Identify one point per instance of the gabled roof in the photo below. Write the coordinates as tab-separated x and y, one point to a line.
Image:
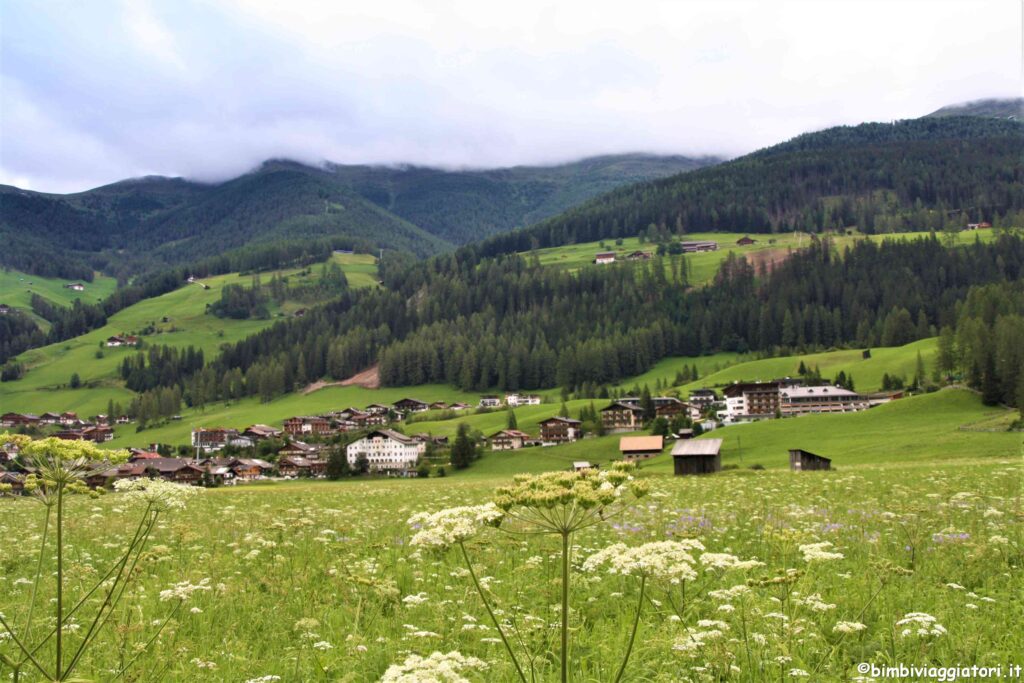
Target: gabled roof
559	418
632	444
620	405
696	447
513	433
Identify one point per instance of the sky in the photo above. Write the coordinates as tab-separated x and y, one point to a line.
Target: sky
94	92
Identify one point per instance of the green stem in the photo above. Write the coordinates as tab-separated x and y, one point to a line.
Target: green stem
632	635
27	631
149	642
494	619
60	582
565	606
24	649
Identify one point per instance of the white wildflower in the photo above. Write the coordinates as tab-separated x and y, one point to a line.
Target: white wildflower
819	552
184	590
848	627
447	527
920	624
158	493
662	560
436	668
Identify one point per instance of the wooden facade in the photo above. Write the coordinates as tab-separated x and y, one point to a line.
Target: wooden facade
802	461
697	456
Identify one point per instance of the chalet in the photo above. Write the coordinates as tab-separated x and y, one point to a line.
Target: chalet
460	406
410	405
15	481
118	340
697	456
622	416
213	439
560	429
377	409
49	418
823	399
745	241
299	466
801	461
640	447
979	226
490	401
703	399
386	451
639	256
138	454
438	405
582	466
669	406
261	432
698	246
250	468
365	420
508	440
306	426
98	434
605	257
123	420
522	400
68	418
75	286
751	401
300	449
18	420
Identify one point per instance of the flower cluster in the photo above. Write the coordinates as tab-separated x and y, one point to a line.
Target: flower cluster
445	528
920	624
819	552
437	668
184	590
158	493
662	560
585	489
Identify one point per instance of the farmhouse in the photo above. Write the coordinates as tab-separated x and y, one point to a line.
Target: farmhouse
560	429
698	246
410	405
824	399
214	439
18	420
745	241
639	256
365	420
118	340
375	409
438	405
307	425
489	401
640	447
621	416
386	451
697	456
751	400
460	406
300	466
522	399
75	286
508	440
299	448
16	481
801	460
261	432
605	257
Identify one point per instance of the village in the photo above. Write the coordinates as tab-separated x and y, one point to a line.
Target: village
371	440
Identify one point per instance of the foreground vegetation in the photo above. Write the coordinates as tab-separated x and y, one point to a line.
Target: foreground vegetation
318	581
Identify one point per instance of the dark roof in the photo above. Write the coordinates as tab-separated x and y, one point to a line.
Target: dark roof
559	418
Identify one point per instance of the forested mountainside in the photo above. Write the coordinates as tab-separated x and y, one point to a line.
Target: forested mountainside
143	225
511	324
1004	108
908	175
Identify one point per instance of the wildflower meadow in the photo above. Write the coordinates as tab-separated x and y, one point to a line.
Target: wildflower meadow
619	575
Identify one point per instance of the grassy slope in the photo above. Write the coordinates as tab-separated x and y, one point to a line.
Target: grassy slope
867	373
919	428
702	267
50	367
16	291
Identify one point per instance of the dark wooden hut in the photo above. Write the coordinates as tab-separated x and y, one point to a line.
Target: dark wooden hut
697	456
801	460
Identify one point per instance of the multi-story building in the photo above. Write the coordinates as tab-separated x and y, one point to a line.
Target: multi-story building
386	451
508	440
823	399
622	416
750	401
560	429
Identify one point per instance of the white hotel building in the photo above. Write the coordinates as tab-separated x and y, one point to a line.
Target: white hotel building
823	399
386	451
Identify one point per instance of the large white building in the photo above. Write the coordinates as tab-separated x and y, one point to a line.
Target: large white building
824	399
386	451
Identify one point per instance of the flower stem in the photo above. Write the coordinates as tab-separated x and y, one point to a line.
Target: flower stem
565	606
494	619
636	623
60	581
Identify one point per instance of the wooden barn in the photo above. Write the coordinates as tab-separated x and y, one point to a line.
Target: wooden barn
697	456
640	447
801	460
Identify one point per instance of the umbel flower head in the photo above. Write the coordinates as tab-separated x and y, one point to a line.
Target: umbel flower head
59	463
437	668
560	502
668	561
156	493
445	528
819	552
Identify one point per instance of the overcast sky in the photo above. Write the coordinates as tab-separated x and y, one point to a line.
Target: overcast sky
92	92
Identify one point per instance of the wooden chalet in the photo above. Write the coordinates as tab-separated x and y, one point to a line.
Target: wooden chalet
622	416
15	480
261	432
697	456
639	256
699	246
560	429
801	461
438	405
745	241
299	466
18	420
410	405
307	425
508	440
376	409
635	448
605	257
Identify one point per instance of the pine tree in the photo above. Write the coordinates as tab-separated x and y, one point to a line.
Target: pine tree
463	450
512	422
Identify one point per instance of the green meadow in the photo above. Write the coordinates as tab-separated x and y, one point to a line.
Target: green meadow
17	288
